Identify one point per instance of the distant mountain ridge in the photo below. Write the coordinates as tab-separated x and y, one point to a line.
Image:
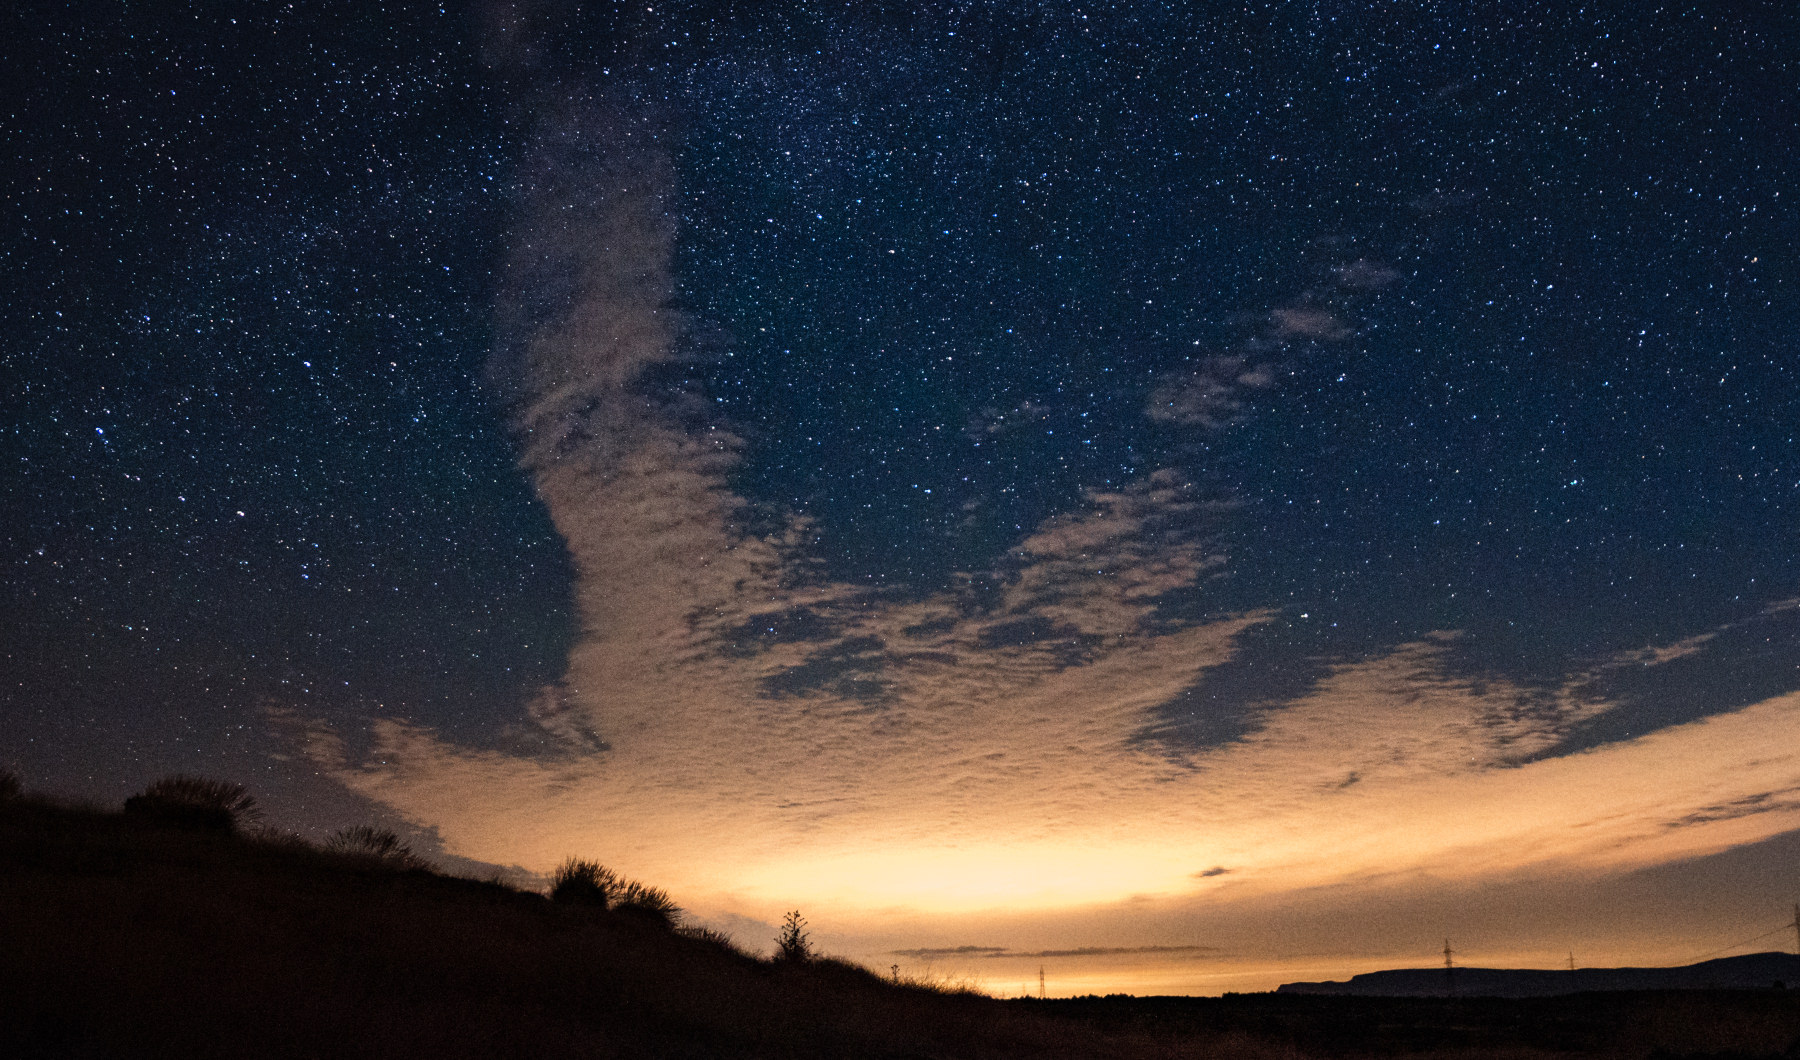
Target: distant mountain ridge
1754	971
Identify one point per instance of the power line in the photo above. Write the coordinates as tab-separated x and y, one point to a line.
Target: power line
1782	930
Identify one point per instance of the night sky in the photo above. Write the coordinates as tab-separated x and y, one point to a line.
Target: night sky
1198	494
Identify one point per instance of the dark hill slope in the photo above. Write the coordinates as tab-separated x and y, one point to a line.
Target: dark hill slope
130	938
123	938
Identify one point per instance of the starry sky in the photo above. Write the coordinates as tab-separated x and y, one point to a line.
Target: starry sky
1193	495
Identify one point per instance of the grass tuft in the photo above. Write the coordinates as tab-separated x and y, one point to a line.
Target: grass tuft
375	845
651	903
196	802
580	882
710	936
588	883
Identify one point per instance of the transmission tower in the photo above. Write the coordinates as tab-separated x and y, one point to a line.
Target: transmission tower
1040	982
1449	968
1797	927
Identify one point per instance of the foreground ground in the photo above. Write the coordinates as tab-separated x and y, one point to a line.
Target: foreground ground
121	937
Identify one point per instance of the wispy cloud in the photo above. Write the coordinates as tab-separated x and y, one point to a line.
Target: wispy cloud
718	680
748	731
1218	389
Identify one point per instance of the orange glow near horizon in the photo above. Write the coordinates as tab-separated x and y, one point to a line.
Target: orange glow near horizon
1252	811
1131	865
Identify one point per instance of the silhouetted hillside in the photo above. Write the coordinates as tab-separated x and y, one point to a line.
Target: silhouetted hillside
145	935
1755	971
157	934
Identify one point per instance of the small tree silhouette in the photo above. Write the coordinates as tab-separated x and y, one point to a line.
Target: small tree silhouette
196	802
9	785
792	944
578	882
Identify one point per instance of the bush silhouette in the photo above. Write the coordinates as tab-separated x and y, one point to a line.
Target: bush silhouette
711	936
579	882
196	802
368	843
651	903
793	943
9	785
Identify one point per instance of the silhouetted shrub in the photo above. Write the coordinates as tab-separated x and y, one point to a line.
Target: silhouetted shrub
280	839
196	802
640	899
10	787
579	882
711	936
793	943
379	845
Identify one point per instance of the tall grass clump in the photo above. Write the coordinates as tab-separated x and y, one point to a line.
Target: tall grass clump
708	935
651	903
579	882
376	845
196	802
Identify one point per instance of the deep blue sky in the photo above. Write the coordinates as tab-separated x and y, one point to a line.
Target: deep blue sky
246	447
248	270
